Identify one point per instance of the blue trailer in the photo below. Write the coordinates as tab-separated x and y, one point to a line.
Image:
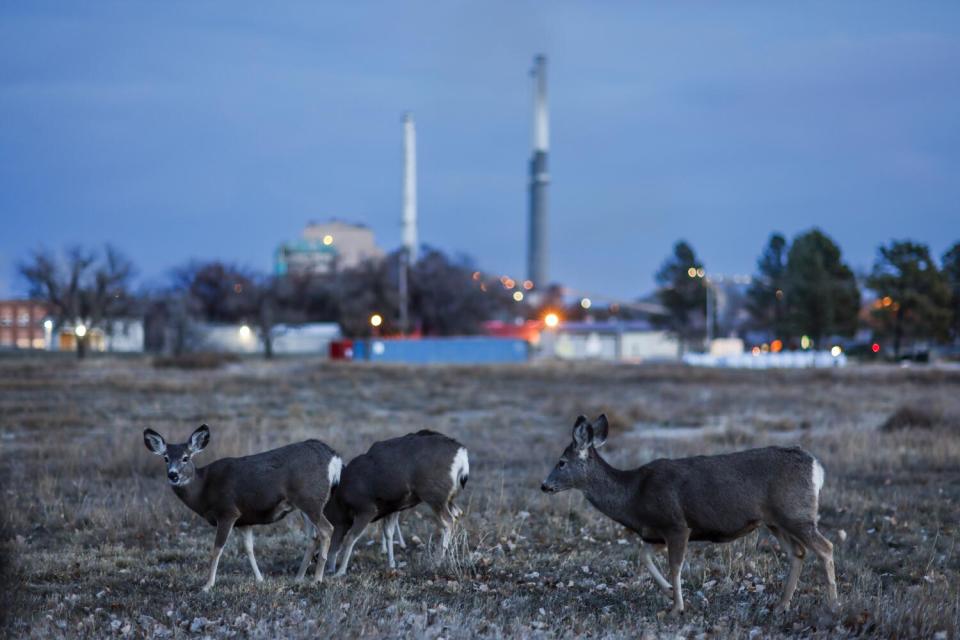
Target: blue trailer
457	350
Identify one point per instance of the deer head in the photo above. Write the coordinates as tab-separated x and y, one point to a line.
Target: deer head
578	458
179	457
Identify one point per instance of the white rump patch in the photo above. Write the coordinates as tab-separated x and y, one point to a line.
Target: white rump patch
459	469
817	477
333	471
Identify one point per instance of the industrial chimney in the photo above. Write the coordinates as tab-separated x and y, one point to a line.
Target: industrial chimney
539	179
409	218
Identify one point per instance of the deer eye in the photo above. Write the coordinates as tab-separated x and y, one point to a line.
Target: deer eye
562	464
186	458
166	458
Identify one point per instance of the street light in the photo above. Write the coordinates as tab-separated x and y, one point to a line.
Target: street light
551	320
518	296
586	303
80	330
376	320
328	239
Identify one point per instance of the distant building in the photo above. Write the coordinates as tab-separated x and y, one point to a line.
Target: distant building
21	324
120	335
325	248
632	341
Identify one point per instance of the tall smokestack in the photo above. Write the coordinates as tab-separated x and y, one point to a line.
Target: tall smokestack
539	179
409	219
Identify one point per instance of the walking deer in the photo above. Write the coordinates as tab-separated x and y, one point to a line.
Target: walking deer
707	498
253	490
394	475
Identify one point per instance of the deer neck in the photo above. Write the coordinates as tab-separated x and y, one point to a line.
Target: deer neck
610	490
191	494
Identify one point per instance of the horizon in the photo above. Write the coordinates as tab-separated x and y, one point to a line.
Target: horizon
198	134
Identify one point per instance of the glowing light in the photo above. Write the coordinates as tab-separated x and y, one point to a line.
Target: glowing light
551	320
80	330
755	351
476	275
692	272
875	347
776	346
328	239
805	342
528	284
765	347
509	283
835	351
586	303
700	272
518	295
887	301
779	294
376	320
244	332
48	324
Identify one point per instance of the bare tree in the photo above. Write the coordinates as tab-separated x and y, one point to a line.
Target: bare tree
84	289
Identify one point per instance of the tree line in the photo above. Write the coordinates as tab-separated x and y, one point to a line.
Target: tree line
803	291
94	288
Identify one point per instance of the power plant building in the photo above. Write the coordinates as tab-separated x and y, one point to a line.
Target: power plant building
325	248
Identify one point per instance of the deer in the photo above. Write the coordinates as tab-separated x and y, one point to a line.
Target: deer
392	476
716	498
253	490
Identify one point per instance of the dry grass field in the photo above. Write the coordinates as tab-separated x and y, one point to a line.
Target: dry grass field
95	544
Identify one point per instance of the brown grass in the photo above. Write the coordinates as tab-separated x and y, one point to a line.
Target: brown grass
93	542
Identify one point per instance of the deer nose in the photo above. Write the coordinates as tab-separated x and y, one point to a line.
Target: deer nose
545	488
173	475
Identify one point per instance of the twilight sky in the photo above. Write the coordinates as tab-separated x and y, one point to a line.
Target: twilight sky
179	130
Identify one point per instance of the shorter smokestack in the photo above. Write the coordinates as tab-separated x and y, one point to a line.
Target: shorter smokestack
409	219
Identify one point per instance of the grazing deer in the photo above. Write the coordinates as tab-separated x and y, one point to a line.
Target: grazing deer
391	476
708	498
258	489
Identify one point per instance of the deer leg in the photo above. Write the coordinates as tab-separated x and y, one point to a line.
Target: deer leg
360	523
676	548
336	546
824	550
796	553
248	547
396	529
324	534
807	535
224	526
445	520
384	524
646	554
389	524
311	531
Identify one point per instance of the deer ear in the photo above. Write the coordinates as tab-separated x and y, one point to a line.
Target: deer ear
154	442
600	428
199	439
582	433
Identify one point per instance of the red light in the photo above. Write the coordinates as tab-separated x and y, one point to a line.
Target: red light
875	347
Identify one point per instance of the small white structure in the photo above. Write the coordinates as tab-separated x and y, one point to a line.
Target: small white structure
726	347
622	341
313	338
781	360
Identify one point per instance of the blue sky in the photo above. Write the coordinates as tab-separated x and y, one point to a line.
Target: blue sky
216	129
